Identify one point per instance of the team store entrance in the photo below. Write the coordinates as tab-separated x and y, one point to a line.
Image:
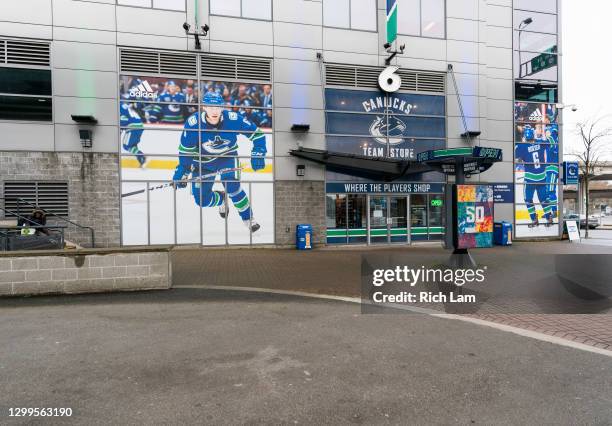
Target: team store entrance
384	218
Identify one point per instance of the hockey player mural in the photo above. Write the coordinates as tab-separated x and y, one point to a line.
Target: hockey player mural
214	152
536	169
197	161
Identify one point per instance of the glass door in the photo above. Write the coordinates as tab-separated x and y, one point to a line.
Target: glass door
398	219
378	214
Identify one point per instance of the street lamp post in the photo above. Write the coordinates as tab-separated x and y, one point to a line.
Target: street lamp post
521	28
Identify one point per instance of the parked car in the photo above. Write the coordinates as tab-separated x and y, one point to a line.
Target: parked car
594	221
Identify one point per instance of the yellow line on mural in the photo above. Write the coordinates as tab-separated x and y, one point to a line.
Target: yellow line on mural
131	163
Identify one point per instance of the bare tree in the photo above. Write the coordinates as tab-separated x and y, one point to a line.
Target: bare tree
591	153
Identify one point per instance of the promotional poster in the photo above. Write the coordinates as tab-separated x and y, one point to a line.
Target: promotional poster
474	216
197	162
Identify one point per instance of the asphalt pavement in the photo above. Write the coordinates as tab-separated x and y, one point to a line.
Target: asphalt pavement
201	356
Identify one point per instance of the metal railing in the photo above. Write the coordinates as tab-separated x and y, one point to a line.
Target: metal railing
10	235
90	229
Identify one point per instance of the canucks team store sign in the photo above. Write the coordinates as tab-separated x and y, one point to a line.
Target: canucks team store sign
375	124
197	160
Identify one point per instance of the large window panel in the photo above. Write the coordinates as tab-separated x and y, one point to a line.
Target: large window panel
409	17
178	5
534	42
540	22
25	81
432	18
548	6
257	9
536	66
134	213
336	13
139	3
363	15
225	7
25	108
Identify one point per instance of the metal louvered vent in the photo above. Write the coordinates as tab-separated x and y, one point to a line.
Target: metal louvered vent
340	76
224	67
139	61
49	196
177	63
428	82
414	81
20	52
253	69
218	66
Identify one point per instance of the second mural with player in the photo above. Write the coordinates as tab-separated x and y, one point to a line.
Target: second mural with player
536	170
197	161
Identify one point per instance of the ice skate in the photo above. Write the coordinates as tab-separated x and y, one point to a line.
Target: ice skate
252	225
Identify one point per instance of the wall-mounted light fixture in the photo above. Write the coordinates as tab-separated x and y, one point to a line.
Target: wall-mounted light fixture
300	170
203	31
300	128
85	122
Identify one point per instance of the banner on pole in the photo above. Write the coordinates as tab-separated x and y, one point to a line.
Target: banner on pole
391	21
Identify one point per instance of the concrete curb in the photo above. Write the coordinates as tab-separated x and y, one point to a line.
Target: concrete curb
356	300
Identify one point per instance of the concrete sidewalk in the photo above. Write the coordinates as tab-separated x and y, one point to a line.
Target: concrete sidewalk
337	271
197	356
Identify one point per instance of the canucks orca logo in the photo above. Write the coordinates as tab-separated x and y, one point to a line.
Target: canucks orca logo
217	145
395	129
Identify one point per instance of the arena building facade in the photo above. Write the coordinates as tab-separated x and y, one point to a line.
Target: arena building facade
111	117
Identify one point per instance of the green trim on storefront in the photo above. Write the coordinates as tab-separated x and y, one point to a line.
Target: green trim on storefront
343	233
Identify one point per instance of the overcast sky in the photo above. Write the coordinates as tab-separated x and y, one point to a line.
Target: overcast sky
587	61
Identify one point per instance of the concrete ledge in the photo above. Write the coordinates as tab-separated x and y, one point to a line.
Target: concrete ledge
85	271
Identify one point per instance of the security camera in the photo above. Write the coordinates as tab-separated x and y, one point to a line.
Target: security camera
205	29
574	108
186	27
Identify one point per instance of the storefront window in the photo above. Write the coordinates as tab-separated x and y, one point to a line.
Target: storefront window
357	219
418	217
335	218
436	217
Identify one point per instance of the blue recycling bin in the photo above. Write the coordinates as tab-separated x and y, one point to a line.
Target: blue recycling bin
502	233
303	237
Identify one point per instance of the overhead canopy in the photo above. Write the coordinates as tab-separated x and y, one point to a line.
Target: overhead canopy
474	159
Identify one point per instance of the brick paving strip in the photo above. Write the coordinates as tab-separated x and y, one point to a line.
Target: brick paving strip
337	272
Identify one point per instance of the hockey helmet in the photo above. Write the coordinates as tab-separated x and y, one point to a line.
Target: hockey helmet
213	98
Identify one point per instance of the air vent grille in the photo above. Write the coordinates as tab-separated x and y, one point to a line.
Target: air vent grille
218	67
181	64
20	52
414	81
146	61
49	196
139	61
222	67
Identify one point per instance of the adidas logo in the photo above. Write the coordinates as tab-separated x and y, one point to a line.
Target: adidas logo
536	116
143	91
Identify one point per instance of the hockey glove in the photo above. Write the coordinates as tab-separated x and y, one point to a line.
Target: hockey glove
258	160
179	174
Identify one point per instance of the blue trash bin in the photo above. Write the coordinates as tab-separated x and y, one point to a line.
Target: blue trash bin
303	237
502	233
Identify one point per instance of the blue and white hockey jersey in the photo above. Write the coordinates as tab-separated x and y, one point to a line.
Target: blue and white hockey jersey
219	140
169	110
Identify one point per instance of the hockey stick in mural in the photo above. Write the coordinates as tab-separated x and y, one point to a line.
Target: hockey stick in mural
169	184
